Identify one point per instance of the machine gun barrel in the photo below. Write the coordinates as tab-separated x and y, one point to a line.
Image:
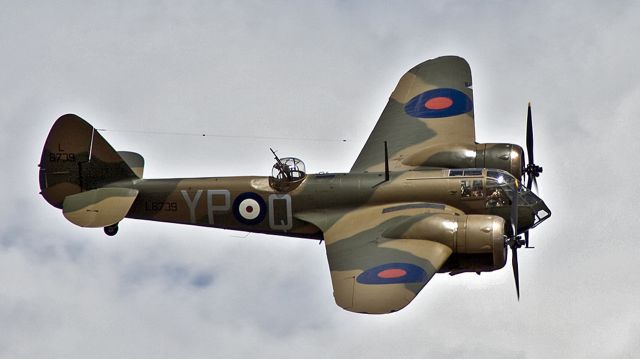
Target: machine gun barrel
281	166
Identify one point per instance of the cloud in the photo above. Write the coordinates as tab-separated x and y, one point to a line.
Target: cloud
323	69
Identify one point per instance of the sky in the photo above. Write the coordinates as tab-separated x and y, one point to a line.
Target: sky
319	71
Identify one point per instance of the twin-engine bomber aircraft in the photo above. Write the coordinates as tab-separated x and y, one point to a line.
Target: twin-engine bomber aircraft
422	197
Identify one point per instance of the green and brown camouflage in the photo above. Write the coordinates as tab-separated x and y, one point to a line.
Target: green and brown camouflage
445	207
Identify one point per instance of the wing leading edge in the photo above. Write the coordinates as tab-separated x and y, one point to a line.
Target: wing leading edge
431	105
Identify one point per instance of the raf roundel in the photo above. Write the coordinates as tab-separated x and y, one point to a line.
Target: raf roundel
249	208
392	273
438	103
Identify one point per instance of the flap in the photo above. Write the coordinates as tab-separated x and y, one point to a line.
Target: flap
99	207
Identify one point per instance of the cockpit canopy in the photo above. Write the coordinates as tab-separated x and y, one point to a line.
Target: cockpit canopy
502	177
500	188
497	188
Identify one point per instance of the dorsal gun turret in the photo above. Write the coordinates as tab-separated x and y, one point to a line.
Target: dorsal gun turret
287	173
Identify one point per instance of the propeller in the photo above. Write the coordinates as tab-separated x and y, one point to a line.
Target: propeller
514	264
532	170
514	241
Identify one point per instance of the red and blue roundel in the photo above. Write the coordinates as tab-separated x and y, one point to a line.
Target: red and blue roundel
442	102
391	273
249	208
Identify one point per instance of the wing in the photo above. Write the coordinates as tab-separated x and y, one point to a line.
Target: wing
431	105
377	258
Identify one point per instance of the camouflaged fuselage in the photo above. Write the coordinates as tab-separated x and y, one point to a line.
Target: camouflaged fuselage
215	201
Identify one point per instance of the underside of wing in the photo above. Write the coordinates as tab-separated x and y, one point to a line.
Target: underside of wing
378	260
390	279
431	105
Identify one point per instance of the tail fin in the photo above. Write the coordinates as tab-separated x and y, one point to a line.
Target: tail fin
76	158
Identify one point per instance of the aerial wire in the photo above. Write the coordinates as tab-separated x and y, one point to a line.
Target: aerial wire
202	134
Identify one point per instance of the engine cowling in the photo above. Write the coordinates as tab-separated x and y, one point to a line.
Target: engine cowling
480	236
477	241
504	156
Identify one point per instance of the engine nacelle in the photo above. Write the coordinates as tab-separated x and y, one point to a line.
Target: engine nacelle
477	240
505	156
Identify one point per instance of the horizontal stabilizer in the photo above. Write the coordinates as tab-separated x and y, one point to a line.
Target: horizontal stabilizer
99	207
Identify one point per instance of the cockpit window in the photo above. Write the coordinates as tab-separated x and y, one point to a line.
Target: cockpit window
473	172
471	188
465	172
493	174
496	196
527	196
500	189
502	177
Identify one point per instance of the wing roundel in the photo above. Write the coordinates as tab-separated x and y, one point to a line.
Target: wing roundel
431	105
378	260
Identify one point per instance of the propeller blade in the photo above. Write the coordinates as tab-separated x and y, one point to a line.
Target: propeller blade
514	211
515	241
532	170
516	273
535	185
529	135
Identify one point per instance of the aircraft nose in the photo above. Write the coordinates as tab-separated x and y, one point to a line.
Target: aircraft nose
535	208
540	212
